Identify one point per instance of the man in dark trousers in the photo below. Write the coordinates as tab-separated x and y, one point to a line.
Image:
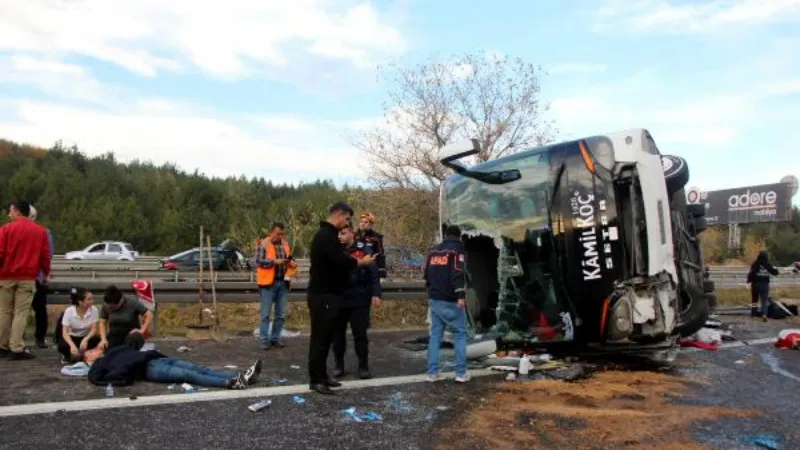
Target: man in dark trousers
329	276
39	304
363	290
444	278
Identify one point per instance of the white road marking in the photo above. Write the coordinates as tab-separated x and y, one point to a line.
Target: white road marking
171	399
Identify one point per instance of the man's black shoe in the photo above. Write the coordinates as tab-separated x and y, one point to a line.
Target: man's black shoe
4	353
332	383
339	372
364	373
22	356
322	389
41	343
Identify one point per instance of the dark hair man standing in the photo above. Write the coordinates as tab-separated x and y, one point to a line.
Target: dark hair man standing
364	288
24	252
329	276
275	269
444	278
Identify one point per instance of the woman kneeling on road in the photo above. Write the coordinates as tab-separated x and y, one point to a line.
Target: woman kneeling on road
125	364
121	317
78	326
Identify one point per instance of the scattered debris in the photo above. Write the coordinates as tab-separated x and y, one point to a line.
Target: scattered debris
80	369
172	386
789	339
231	366
298	400
704	338
739	361
133	397
294	367
187	388
184	349
284	333
281	381
398	403
259	405
511	376
147	347
351	414
764	441
442	408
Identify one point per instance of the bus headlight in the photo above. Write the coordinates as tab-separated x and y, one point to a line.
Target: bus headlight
620	320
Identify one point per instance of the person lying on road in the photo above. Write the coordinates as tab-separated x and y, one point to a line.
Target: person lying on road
78	326
120	317
123	365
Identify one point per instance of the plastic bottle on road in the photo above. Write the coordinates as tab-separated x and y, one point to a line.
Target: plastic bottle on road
109	390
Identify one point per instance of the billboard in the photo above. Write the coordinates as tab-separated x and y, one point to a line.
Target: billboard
751	204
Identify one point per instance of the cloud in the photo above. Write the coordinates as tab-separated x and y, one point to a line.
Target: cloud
232	40
52	77
713	122
278	147
699	17
577	68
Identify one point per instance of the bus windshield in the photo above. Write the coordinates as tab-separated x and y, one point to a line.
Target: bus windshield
507	209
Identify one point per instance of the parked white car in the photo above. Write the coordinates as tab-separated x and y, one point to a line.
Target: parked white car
106	250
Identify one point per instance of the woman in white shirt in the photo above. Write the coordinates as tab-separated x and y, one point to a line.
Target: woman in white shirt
79	326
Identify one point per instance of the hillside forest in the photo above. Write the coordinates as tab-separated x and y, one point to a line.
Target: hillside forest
159	209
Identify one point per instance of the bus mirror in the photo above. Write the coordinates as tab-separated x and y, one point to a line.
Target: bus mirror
457	150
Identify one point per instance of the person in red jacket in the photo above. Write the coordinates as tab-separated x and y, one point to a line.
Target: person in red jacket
24	252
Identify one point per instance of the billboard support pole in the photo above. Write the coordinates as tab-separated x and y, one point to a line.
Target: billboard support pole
734	236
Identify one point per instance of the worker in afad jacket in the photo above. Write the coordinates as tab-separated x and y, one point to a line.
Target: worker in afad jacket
274	272
363	290
445	280
372	240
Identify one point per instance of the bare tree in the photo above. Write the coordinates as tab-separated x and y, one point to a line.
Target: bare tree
495	99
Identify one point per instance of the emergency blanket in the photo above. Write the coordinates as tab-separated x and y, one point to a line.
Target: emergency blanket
789	339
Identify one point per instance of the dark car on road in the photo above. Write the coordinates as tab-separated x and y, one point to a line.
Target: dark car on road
224	256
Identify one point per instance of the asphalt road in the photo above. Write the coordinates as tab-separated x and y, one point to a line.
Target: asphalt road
754	377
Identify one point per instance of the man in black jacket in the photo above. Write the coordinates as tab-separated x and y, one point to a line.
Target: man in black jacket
444	278
329	275
363	290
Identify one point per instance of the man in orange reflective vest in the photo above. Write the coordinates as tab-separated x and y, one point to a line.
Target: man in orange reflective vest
275	268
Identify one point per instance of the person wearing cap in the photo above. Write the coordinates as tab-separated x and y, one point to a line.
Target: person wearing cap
24	254
39	304
372	240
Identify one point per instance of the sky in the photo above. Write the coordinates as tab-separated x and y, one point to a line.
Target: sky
272	88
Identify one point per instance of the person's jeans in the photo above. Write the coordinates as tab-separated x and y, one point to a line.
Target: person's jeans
277	294
760	291
447	314
171	370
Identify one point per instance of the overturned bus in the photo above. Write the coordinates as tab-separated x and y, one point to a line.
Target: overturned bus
587	242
